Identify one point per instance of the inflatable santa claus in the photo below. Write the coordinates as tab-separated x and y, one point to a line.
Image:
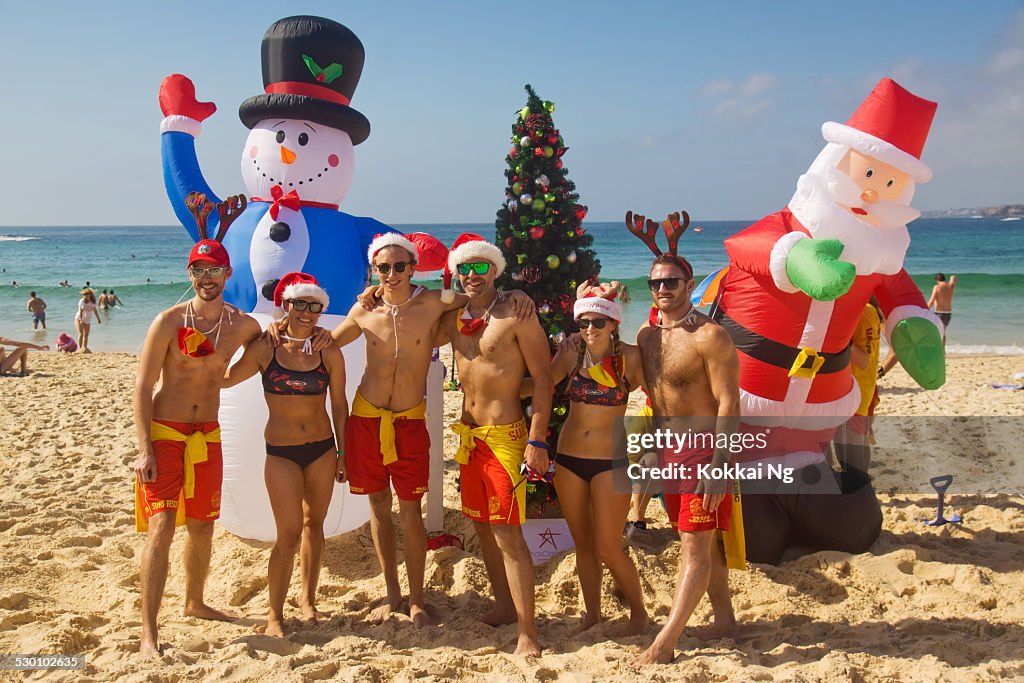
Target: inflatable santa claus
799	279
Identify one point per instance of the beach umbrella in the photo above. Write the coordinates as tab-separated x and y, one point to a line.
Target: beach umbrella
704	294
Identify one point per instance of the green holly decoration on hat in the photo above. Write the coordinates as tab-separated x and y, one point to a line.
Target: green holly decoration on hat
322	75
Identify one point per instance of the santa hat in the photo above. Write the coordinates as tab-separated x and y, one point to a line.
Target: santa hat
296	286
598	299
466	249
391	239
891	125
211	251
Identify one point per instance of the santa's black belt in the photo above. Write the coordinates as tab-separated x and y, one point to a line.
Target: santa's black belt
801	362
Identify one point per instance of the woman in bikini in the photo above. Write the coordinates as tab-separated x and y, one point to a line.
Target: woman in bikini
304	456
602	372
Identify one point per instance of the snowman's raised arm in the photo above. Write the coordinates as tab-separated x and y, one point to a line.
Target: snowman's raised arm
183	115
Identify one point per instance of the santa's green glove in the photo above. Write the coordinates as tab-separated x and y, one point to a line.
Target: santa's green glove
813	266
918	346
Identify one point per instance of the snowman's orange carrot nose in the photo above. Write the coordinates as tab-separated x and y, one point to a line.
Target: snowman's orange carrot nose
287	156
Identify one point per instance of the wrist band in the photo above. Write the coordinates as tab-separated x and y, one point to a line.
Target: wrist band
538	444
341	451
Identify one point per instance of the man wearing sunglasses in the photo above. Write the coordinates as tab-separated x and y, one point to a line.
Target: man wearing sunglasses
692	372
178	477
387	444
494	350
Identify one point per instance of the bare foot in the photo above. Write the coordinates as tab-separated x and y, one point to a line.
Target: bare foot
382	612
148	649
311	615
204	611
654	655
275	628
528	646
420	618
637	625
499	616
586	623
718	630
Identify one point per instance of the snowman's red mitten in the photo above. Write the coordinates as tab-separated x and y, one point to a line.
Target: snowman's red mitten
182	111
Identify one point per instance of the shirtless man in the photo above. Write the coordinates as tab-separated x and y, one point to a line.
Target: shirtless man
493	351
37	307
188	348
399	329
942	300
692	371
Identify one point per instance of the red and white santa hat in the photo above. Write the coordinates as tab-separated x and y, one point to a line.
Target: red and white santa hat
391	239
891	125
467	249
297	286
598	299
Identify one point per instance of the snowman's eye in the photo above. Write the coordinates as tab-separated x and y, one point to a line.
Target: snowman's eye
870	172
280	136
303	139
891	182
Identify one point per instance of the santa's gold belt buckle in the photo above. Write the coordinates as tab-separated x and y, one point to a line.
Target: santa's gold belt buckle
800	367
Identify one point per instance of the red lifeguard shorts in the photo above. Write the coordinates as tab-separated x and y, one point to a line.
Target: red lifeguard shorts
166	493
493	489
364	461
685	508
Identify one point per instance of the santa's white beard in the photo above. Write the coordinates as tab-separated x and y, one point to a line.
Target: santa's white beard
872	249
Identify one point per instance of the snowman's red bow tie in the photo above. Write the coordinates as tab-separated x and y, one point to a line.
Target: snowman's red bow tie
289	201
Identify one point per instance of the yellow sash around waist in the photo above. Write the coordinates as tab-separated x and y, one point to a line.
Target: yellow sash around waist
195	452
363	408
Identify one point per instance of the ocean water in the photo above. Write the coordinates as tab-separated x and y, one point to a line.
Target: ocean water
146	268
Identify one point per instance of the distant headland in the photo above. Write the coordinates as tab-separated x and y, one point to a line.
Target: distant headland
1004	211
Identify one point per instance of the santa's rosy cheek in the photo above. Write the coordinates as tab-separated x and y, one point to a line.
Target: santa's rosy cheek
333	160
253	151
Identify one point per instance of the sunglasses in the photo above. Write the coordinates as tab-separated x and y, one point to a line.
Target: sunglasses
213	271
670	283
533	475
598	323
385	268
478	268
311	306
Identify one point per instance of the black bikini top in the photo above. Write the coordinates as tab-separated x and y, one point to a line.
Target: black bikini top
282	381
585	388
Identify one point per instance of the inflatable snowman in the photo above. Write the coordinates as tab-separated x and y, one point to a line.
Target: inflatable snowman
297	165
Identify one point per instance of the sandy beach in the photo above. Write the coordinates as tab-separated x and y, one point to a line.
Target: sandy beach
923	604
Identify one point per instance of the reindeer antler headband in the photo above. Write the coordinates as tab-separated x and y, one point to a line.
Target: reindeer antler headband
646	231
228	210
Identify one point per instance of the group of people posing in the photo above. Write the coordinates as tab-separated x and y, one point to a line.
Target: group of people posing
685	362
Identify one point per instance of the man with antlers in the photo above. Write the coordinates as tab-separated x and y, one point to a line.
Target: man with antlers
179	467
692	376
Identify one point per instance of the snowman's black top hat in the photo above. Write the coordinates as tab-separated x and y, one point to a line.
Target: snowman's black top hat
311	67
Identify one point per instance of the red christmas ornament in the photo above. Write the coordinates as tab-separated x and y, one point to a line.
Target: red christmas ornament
558	164
536	232
581	211
513	152
562	150
508	242
579	232
552	138
538	152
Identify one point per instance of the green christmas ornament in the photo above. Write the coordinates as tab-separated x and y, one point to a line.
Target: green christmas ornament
548	152
572	285
553	261
538	204
523	221
548	197
520	259
559	410
517	187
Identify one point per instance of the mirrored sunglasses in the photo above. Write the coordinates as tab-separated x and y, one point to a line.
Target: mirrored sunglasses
311	306
478	268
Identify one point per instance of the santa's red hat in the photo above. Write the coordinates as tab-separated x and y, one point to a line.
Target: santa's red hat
598	299
891	125
211	251
391	239
466	249
297	286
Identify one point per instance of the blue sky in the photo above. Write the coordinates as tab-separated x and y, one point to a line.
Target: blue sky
711	107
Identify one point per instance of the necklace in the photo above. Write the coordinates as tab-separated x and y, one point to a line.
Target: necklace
689	319
486	315
394	313
190	313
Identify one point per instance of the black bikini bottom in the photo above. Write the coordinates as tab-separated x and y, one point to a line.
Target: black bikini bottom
588	468
304	454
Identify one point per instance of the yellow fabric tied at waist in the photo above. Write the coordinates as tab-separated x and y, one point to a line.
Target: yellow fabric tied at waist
467	439
195	449
363	408
734	541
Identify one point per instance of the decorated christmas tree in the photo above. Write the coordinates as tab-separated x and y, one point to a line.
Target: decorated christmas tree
540	232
